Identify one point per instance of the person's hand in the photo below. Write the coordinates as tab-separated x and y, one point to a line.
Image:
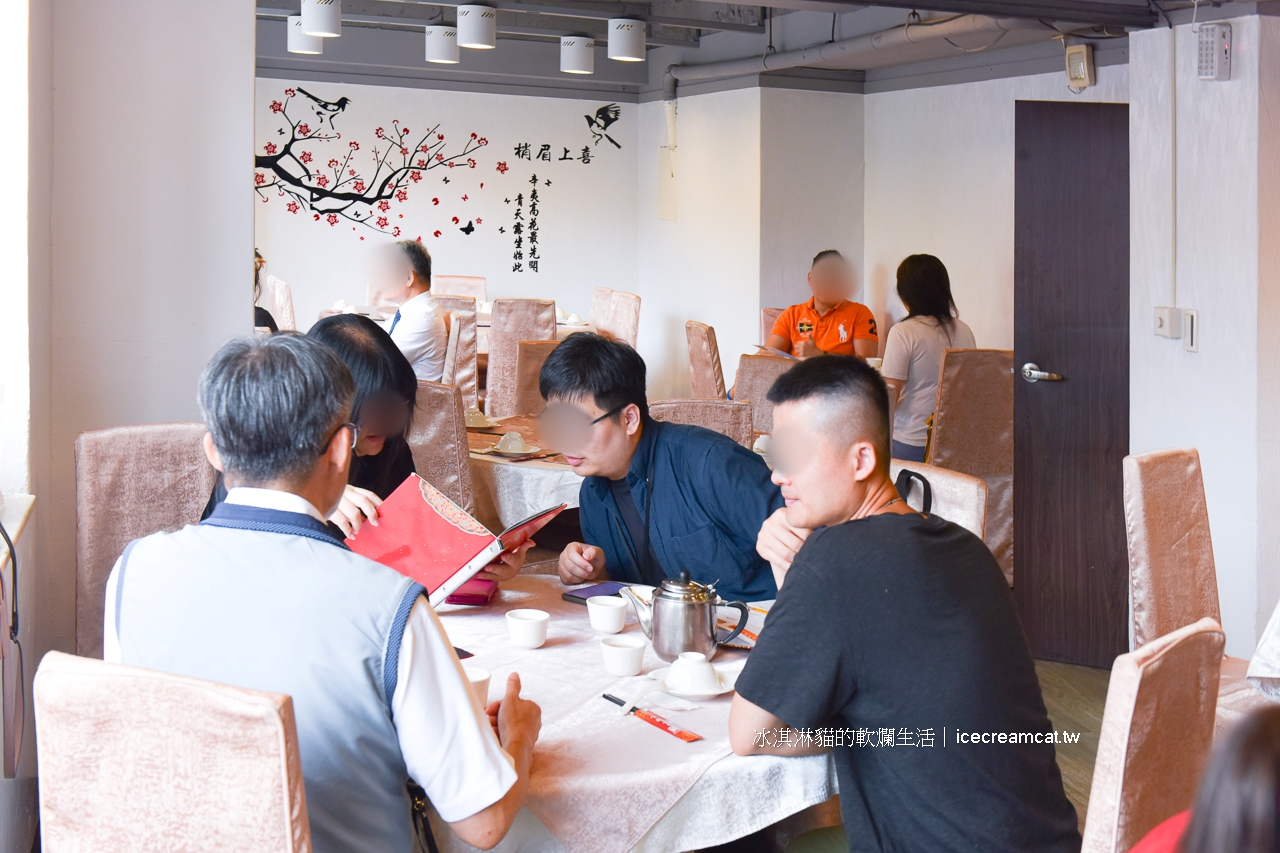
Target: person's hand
779	542
515	720
507	565
806	348
357	506
580	563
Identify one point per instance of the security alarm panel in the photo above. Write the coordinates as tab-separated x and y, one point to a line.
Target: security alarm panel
1080	73
1213	58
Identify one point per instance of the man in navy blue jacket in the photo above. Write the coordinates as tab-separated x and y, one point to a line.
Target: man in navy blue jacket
657	497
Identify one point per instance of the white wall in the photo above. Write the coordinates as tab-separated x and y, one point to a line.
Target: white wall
939	166
588	212
811	187
15	403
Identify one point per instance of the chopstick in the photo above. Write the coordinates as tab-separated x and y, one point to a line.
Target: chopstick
654	720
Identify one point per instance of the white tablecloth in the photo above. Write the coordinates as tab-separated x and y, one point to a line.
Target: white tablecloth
509	492
604	783
1264	668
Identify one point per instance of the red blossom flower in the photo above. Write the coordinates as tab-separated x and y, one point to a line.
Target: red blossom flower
435	201
333	164
404	152
317	217
332	218
276	106
359	186
471	164
422	164
479	220
395	232
290	92
384	205
353	145
440	136
435	233
483	141
305	157
402	195
473	136
270	148
424	149
450	164
415	176
304	129
322	181
382	222
292	207
502	167
404	131
455	220
351	172
378	133
439	157
259	178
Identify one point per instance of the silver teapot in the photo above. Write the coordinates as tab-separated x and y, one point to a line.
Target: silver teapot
682	617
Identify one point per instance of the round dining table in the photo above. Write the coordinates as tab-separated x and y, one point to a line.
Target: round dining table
603	782
508	491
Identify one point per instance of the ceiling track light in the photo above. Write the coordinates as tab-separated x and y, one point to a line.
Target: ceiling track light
577	55
477	27
322	18
442	44
299	41
626	39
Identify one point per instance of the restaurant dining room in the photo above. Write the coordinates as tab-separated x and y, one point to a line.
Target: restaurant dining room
431	427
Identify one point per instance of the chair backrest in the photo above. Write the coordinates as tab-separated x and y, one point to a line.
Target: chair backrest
438	441
973	434
706	376
513	321
624	317
131	481
727	417
1157	729
1171	571
132	759
601	305
282	304
474	286
959	498
451	328
768	316
756	374
465	373
530	356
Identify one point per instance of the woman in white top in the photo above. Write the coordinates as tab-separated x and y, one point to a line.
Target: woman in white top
913	353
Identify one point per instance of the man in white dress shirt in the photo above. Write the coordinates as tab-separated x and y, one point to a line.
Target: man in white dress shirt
402	273
260	595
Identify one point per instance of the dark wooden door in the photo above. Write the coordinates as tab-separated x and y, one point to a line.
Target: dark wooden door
1071	309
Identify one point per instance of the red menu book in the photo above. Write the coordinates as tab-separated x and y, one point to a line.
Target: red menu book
425	536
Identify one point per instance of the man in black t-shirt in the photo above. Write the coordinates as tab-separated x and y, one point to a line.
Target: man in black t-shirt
895	634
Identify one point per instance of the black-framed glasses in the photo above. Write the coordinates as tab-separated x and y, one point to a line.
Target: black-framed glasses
567	428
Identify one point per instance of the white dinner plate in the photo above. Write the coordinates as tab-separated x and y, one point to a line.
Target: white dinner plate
728	678
528	451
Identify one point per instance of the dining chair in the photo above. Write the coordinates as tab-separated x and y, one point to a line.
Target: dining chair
513	321
450	348
465	372
281	304
768	317
959	498
474	286
706	376
131	481
601	305
438	440
1157	730
973	433
624	317
138	760
756	375
530	356
727	417
1172	577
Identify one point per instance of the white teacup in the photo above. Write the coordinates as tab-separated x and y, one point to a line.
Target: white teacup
608	613
528	628
476	418
623	655
479	679
485	308
875	363
573	320
512	442
693	673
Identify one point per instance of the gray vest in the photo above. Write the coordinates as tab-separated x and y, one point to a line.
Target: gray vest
287	612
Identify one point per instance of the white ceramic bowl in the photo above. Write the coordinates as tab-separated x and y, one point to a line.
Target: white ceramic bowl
691	672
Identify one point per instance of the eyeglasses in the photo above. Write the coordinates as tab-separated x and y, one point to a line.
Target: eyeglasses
567	427
355	431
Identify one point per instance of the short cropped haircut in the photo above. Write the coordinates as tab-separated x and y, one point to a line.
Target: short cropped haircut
825	253
419	259
587	365
851	385
272	404
377	365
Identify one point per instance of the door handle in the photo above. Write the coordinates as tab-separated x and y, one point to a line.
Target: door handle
1032	373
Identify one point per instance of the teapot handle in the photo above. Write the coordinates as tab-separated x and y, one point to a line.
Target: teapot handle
742	621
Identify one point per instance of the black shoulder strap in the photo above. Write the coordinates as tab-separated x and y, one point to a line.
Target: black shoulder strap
903	485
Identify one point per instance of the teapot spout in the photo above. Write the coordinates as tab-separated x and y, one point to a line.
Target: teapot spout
644	611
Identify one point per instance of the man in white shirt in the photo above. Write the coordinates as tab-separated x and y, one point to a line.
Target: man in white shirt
260	595
402	273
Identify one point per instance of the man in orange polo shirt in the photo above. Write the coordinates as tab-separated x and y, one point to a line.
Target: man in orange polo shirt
828	324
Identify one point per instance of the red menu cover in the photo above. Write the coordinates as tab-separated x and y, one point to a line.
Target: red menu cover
425	536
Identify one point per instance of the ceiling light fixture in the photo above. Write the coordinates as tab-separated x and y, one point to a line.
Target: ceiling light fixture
626	39
299	41
442	44
577	55
322	18
477	27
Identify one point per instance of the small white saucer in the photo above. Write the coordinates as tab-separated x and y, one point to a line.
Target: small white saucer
727	681
528	451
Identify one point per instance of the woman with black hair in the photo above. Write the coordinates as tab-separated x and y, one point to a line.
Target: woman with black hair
913	352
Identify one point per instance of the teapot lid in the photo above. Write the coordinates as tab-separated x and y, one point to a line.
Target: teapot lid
683	588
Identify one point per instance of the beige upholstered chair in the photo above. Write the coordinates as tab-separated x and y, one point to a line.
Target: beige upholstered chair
131	481
465	372
756	374
281	304
601	305
624	317
438	440
132	759
451	328
705	374
530	356
514	320
973	434
726	417
474	286
1172	578
1156	733
768	316
959	498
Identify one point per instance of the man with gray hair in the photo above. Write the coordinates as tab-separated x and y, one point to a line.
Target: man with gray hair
260	595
